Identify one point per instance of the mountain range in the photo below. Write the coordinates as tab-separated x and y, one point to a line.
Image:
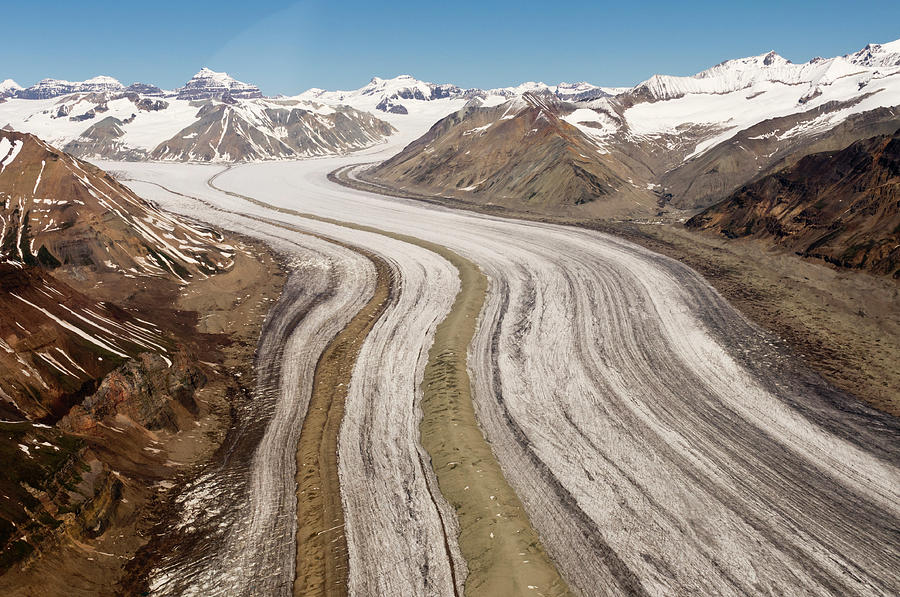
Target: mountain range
668	143
212	118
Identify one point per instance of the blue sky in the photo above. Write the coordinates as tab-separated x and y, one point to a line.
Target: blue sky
287	47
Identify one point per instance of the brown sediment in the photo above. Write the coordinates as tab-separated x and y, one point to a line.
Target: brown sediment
322	564
501	548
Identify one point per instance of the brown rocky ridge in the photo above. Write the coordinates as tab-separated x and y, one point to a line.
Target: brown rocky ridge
842	207
101	367
522	154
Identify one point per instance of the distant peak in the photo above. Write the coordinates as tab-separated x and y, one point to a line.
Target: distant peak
770	58
9	84
397	78
877	55
207	84
103	80
208	73
889	47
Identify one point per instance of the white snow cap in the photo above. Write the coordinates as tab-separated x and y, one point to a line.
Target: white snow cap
208	73
103	80
9	85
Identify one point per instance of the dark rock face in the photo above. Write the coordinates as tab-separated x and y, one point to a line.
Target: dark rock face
146	389
38	483
144	104
842	207
150	105
227	98
386	105
144	89
82	117
584	96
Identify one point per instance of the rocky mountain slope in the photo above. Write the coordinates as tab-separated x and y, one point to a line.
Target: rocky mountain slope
274	129
66	228
89	341
761	149
531	153
842	207
62	211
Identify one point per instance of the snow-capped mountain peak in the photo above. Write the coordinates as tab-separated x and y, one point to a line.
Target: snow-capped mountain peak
9	87
102	80
887	54
208	84
408	87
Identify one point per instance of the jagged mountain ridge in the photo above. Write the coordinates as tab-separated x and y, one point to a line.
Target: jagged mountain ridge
206	84
743	73
400	94
50	88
